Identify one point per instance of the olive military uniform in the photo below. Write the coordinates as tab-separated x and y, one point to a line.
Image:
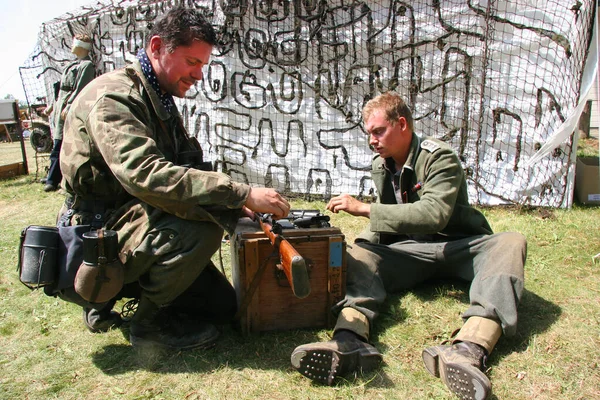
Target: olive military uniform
122	155
434	233
74	78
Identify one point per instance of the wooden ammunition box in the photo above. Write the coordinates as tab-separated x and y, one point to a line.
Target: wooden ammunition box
265	297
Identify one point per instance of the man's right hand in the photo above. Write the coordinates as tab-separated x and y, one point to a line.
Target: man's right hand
266	200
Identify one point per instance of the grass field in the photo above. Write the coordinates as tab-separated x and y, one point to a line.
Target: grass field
11	153
46	353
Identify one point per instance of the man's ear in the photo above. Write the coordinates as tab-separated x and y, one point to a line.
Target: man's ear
402	123
156	46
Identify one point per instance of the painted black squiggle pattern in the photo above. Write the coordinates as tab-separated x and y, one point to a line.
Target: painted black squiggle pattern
280	103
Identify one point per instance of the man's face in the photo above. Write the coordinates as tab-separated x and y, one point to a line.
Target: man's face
80	52
387	139
179	70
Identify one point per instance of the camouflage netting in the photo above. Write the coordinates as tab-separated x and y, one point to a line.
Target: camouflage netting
280	102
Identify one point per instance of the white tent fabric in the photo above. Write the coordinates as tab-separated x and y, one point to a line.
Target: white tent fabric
280	102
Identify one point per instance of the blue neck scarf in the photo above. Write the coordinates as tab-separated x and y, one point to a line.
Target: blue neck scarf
165	98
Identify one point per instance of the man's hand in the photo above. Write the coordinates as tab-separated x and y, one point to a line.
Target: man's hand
345	202
265	200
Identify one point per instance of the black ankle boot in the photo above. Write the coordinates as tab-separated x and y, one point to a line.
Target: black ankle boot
345	353
460	366
154	326
103	319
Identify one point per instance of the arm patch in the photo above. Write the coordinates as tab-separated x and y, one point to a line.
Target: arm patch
429	145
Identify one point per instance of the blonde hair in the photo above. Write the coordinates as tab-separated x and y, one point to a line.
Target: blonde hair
393	106
84	37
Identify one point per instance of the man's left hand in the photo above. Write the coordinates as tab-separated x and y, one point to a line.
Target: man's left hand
347	203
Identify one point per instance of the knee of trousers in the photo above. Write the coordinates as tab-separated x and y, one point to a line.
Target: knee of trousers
177	269
517	241
509	254
203	239
362	262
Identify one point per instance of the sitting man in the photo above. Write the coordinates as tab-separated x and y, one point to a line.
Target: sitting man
129	163
421	228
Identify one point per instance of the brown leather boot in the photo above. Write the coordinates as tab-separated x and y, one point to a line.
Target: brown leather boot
460	366
324	361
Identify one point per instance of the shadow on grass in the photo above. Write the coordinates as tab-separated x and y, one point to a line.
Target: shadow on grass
392	313
21	181
261	351
271	350
536	315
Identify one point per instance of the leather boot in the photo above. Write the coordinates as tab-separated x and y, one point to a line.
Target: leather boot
460	366
50	188
102	320
345	353
162	327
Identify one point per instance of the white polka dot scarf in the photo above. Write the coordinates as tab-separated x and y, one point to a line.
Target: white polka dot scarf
165	98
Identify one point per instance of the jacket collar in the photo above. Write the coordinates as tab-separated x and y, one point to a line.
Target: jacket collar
135	69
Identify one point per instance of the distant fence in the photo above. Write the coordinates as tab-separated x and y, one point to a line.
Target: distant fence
13	158
280	102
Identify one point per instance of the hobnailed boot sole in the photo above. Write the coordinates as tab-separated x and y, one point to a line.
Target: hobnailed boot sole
323	362
463	379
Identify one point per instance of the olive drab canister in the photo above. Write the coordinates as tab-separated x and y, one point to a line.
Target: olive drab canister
38	256
100	276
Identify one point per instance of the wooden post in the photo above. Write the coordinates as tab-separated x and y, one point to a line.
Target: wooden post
20	133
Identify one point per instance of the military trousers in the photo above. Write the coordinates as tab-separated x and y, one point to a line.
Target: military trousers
172	266
494	264
54	175
172	255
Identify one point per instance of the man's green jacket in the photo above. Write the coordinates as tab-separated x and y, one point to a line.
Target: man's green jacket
73	79
121	149
435	198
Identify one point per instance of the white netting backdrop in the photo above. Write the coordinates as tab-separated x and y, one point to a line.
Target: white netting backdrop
280	102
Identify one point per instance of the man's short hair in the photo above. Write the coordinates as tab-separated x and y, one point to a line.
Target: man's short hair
181	26
392	104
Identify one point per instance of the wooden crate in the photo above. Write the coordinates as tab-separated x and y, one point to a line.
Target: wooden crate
272	305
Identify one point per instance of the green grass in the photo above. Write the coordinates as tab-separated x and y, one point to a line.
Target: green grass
37	163
588	147
45	351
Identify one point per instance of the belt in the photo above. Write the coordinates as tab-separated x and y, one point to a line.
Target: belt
95	206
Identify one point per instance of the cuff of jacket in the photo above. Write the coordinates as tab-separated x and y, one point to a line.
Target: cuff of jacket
240	192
